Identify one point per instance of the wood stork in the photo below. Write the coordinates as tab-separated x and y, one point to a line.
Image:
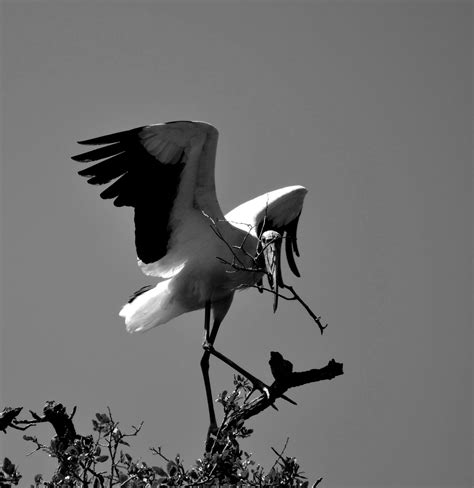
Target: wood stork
199	256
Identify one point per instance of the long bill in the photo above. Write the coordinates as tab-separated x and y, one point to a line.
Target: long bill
272	255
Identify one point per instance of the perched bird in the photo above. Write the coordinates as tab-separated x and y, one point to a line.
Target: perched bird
199	256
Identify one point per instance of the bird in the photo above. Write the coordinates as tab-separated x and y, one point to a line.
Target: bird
198	256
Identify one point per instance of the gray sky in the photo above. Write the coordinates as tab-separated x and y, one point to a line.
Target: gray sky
366	104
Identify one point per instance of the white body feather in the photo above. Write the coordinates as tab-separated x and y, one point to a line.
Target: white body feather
189	263
199	276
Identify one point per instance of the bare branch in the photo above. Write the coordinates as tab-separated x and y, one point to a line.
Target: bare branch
55	414
8	417
316	318
280	454
285	379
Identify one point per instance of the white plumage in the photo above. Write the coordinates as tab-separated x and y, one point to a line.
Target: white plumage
198	256
176	212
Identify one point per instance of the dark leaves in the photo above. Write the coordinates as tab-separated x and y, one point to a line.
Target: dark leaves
97	461
159	471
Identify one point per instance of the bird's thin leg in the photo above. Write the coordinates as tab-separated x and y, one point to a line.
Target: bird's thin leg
255	381
257	384
208	345
205	368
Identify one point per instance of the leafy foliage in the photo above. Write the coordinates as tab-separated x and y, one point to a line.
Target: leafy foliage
101	459
9	474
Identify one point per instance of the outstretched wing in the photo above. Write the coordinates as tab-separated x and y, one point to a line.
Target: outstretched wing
161	171
278	210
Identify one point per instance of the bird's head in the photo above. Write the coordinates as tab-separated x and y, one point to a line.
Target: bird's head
270	242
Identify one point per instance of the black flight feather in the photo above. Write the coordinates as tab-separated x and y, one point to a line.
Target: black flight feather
110	138
289	230
106	170
293	226
289	254
144	183
100	153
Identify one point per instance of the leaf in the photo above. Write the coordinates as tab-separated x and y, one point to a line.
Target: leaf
171	468
101	459
8	466
122	477
102	418
159	471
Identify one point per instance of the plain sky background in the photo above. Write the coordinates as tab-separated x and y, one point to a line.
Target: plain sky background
367	104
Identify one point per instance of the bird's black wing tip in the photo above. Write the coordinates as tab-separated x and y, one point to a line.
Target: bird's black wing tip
79	158
289	248
110	138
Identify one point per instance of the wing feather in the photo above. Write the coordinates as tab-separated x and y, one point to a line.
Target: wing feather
100	153
289	252
291	231
110	138
147	164
278	210
107	170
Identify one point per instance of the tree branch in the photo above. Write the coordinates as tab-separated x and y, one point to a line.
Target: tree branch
8	418
285	379
55	414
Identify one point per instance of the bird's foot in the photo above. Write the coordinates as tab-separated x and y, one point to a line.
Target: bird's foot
256	383
264	389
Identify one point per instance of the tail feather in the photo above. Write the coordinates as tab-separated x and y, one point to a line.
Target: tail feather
151	308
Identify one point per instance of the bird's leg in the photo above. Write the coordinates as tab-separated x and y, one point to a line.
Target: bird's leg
256	383
208	346
208	338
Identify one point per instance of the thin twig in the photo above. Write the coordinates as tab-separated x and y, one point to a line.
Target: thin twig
307	308
296	297
130	478
280	455
257	269
158	452
99	476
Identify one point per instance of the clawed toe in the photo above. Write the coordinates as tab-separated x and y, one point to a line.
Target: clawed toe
260	386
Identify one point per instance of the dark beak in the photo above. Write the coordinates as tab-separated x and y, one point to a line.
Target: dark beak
271	253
